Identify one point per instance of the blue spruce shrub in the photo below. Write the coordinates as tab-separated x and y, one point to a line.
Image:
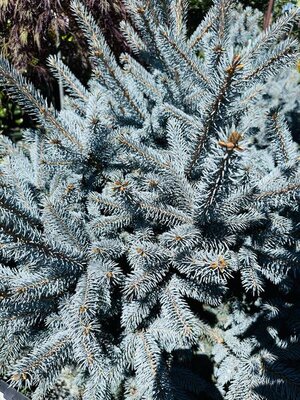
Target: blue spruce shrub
146	226
257	355
280	91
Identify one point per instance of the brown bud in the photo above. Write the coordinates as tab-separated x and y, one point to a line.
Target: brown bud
140	251
69	188
152	183
98	53
141	10
86	330
178	238
97	250
234	137
120	186
82	309
214	265
55	141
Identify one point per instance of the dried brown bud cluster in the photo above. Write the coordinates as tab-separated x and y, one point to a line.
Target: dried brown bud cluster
120	186
219	264
235	65
232	141
140	251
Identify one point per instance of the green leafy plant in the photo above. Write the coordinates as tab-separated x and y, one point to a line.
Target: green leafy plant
11	117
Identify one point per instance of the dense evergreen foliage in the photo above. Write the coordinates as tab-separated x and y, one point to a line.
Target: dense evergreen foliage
150	229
